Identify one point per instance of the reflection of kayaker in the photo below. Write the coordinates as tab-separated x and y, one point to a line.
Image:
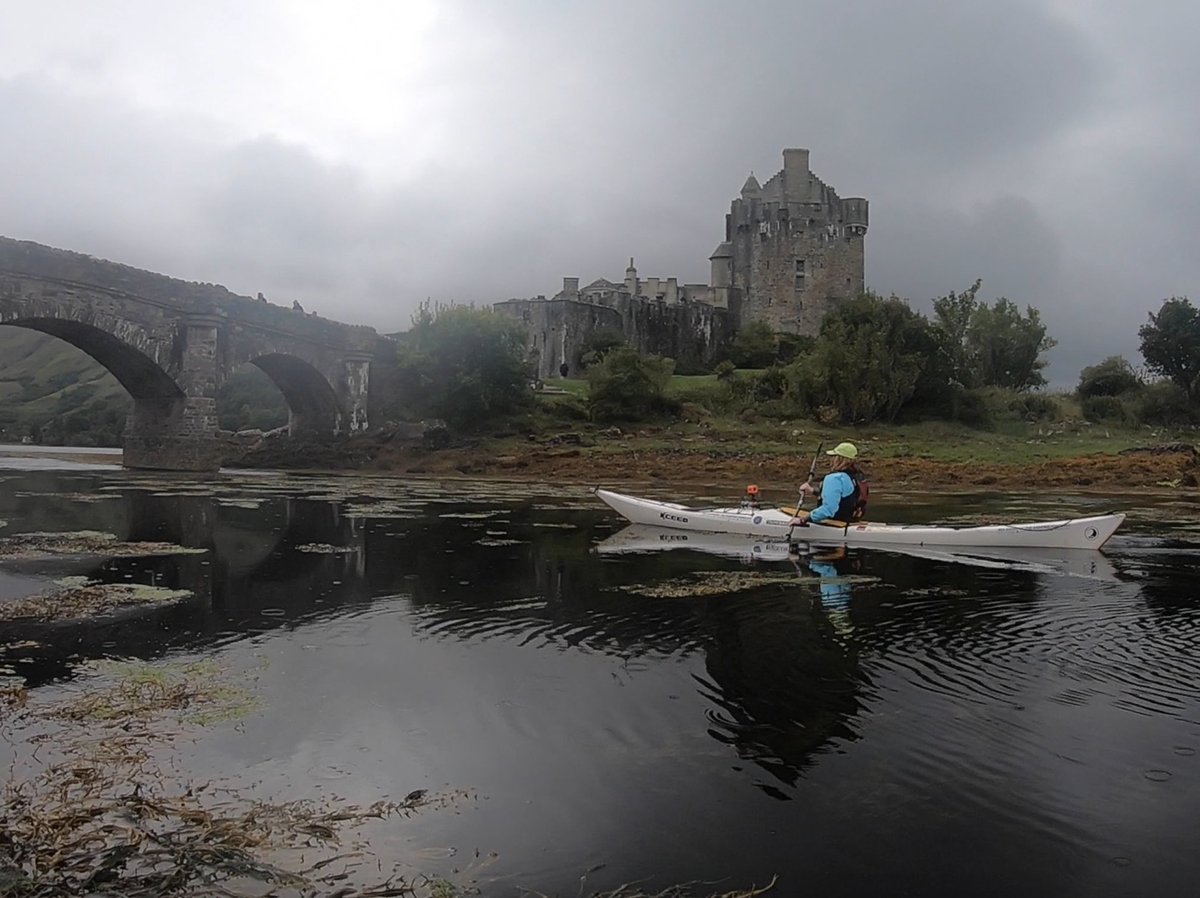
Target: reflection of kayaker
834	586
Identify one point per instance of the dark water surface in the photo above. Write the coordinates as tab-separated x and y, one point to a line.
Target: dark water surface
875	724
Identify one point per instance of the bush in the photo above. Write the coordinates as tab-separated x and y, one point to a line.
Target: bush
1107	410
1032	407
753	346
627	386
598	344
1166	404
1112	377
970	407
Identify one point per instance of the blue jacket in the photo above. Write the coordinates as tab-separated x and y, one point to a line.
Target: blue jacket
836	487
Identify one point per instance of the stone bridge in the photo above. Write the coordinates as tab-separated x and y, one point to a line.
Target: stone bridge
173	343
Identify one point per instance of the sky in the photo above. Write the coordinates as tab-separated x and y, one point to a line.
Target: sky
366	155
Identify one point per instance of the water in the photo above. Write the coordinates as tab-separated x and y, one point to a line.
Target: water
870	724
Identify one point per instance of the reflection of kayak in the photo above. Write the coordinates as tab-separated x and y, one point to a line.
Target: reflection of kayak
639	538
646	539
1076	533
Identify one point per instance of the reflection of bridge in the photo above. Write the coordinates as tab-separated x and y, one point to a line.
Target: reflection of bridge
172	344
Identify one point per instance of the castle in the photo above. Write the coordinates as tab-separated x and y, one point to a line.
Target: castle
792	249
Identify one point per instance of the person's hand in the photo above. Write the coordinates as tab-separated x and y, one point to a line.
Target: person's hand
800	520
807	488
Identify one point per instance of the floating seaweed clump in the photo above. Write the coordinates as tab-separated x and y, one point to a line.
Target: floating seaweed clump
711	584
101	813
24	546
324	549
71	600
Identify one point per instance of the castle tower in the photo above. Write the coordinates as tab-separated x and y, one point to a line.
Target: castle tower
631	279
792	249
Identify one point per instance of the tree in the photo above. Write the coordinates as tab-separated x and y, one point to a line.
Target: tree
1004	347
991	346
1112	377
754	346
870	358
1171	345
952	315
598	344
464	365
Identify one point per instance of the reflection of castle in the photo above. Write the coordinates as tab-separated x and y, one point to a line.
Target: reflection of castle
792	248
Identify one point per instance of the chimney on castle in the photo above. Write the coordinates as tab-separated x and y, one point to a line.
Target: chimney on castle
795	176
570	286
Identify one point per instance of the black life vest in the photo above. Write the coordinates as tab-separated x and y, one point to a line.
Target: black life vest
854	506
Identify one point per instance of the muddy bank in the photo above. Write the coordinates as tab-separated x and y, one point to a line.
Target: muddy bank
1164	467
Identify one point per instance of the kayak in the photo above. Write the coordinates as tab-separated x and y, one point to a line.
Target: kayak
1074	533
646	539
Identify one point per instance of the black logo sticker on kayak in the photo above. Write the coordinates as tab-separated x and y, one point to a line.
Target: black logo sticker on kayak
666	516
1090	533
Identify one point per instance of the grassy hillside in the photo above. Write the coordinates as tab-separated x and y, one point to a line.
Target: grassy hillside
49	390
58	395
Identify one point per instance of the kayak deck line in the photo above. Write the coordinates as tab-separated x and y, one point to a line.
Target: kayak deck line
1073	533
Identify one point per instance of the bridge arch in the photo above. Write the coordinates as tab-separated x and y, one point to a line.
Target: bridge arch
311	401
172	343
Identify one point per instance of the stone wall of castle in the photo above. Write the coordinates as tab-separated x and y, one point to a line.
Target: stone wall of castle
561	328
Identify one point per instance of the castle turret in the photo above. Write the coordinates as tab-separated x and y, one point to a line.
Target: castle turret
796	177
631	279
793	249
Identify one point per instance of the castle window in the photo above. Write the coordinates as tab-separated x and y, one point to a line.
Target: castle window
800	267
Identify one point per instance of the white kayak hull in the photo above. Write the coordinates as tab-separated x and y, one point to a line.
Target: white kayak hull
645	539
1075	533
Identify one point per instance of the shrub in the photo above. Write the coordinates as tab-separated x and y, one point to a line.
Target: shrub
1106	410
627	386
1033	407
1166	404
1112	377
970	407
753	346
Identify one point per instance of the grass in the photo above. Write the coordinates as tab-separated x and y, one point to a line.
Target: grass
717	432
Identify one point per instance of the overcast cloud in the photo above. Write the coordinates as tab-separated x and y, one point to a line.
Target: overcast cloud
362	156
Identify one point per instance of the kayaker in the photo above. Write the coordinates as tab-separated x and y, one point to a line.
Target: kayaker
841	490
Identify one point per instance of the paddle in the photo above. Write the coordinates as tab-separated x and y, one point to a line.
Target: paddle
812	473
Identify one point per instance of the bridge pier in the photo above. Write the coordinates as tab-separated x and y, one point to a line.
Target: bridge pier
172	435
179	433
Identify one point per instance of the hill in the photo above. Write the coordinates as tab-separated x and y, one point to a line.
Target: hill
56	394
49	391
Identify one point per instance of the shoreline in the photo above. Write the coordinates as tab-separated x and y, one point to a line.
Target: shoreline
1172	467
